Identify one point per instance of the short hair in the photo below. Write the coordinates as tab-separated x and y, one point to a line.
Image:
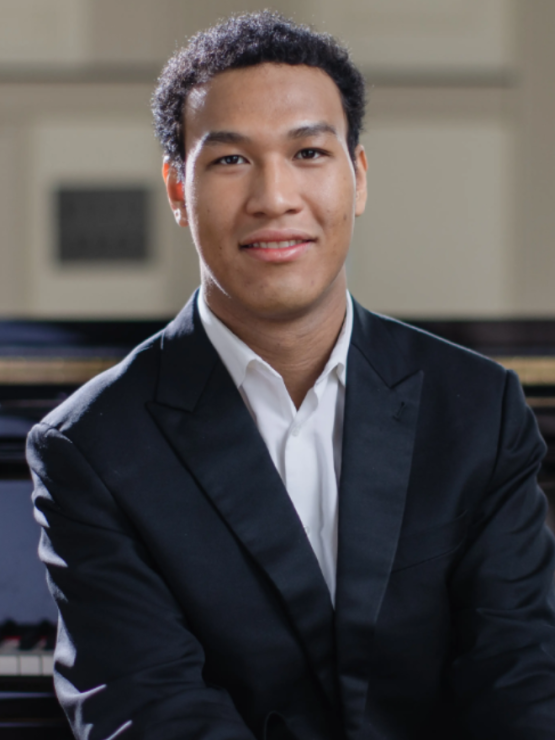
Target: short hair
245	41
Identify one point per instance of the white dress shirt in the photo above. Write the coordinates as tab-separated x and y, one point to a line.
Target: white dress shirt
304	444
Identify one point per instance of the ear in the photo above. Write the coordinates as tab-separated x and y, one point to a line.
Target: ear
361	168
174	189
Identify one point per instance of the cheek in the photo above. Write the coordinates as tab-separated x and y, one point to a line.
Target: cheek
211	221
338	202
204	204
217	208
340	226
346	210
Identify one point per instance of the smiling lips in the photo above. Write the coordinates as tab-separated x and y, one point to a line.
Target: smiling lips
275	245
277	250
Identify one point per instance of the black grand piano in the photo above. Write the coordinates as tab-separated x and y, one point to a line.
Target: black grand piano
41	363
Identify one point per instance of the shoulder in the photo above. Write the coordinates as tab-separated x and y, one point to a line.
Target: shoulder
117	396
438	358
465	401
112	408
111	396
472	412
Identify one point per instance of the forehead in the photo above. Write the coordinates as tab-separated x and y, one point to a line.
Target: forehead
265	99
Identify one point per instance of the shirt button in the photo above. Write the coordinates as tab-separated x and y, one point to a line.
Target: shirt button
307	530
296	431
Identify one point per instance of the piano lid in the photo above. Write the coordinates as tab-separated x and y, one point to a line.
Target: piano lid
524	345
42	362
65	353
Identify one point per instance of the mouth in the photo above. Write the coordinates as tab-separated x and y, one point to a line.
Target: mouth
277	251
285	244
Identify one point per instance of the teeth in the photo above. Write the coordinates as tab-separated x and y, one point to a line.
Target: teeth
277	245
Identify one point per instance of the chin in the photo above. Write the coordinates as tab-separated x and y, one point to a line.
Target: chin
283	306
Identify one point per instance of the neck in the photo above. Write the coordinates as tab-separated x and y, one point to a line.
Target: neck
296	346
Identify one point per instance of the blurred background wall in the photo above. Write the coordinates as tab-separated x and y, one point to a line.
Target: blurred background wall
460	137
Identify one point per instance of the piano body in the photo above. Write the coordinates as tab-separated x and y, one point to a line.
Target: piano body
528	348
41	363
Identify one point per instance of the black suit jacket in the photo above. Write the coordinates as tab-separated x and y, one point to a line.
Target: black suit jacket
191	603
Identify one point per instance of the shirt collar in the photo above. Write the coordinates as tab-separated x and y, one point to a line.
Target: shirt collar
234	353
338	358
237	356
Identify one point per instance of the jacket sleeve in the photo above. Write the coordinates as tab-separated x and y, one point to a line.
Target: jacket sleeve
502	593
126	664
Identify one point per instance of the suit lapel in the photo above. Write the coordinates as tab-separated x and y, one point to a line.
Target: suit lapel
381	408
204	418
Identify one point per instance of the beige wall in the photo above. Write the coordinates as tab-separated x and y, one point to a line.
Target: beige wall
434	238
460	138
535	196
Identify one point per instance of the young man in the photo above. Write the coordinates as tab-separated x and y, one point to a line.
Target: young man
284	516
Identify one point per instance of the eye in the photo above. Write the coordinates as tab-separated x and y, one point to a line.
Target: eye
231	159
309	154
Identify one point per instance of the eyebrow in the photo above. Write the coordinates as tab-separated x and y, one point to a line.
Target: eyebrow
224	137
312	129
233	137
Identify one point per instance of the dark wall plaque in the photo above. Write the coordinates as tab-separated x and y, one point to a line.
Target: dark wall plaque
103	224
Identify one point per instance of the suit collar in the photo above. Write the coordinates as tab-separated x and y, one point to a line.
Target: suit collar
373	337
381	411
187	360
182	381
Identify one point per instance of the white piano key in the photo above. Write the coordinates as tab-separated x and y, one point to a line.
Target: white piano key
47	664
30	665
9	665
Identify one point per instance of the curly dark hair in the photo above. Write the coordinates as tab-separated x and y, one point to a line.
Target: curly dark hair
244	41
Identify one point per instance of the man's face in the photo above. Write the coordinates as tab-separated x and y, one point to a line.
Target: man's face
270	191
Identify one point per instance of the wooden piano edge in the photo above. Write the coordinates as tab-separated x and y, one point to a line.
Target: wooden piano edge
532	370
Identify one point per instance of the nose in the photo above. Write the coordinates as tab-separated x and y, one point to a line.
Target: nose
274	189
